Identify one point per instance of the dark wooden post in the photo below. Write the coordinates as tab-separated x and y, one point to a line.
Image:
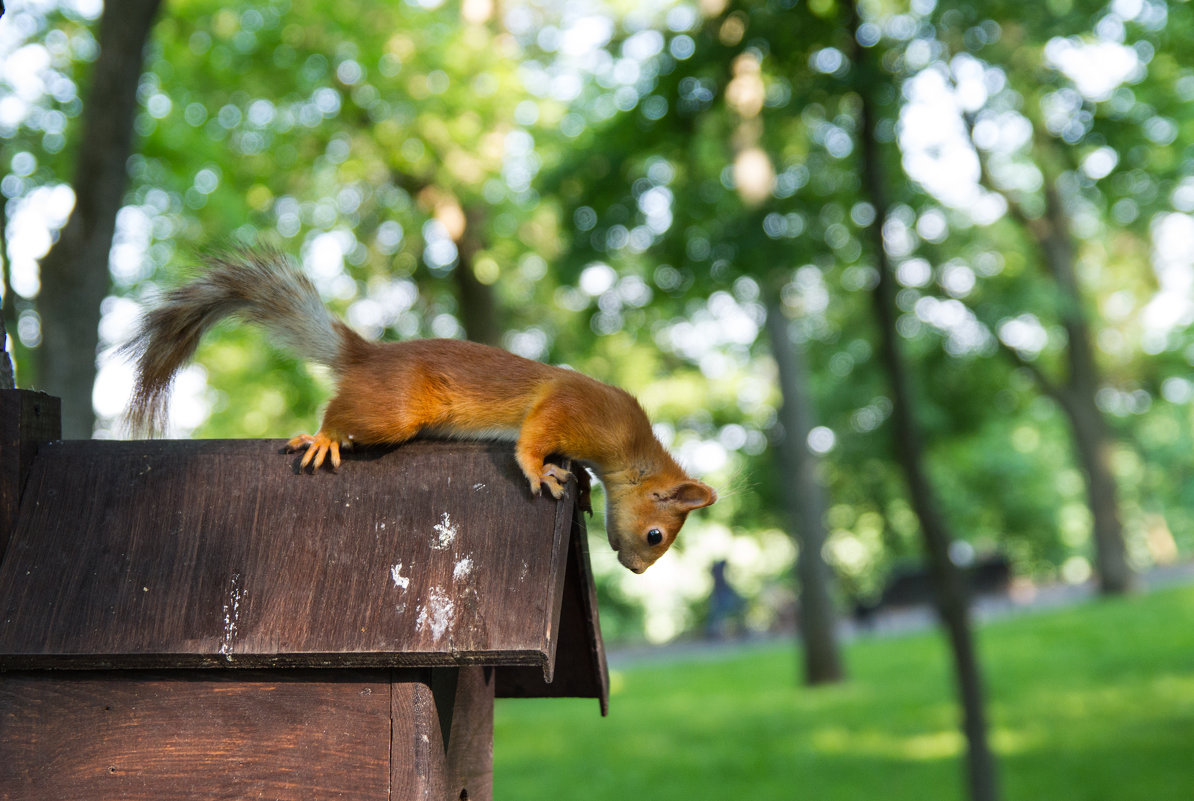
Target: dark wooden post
27	419
443	735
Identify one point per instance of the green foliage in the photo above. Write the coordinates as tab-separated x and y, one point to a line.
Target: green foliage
1087	703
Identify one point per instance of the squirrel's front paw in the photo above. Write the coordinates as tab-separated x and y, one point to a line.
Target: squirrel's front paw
555	478
319	446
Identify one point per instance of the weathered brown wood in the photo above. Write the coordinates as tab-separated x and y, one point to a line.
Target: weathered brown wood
27	419
407	577
208	553
442	743
195	735
581	669
468	769
416	739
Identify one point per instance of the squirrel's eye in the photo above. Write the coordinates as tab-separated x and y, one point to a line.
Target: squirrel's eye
654	537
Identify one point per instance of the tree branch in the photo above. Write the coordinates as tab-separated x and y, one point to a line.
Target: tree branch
1034	225
1039	229
74	273
1047	385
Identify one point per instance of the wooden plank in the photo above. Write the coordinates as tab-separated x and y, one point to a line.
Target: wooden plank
27	419
580	668
442	745
217	553
195	735
468	770
416	739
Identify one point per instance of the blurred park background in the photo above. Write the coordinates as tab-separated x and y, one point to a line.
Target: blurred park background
911	284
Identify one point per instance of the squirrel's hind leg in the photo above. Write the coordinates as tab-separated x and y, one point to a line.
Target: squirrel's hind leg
323	443
319	446
350	420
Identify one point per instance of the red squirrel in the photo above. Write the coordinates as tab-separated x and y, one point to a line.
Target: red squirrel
389	392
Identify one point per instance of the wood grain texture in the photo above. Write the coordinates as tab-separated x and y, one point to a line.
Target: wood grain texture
443	735
398	578
423	733
468	762
207	553
27	419
202	735
417	740
581	668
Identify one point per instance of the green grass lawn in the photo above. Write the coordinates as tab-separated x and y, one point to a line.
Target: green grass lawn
1091	703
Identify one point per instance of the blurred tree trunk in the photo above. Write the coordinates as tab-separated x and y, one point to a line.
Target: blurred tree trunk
74	274
7	307
1077	399
804	497
478	306
1093	443
476	303
7	380
949	583
1076	393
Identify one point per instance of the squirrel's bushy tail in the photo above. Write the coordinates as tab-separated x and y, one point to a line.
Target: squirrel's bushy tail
259	285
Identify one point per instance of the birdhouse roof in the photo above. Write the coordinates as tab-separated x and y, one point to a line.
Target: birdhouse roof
221	554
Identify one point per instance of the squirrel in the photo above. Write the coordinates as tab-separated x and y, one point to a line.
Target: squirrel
389	392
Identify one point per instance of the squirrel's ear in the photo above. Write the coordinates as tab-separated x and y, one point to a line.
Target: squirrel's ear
689	495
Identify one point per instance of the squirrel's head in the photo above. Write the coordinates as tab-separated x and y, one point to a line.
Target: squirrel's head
642	518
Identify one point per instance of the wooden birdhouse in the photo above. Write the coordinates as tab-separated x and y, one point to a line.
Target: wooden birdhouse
199	620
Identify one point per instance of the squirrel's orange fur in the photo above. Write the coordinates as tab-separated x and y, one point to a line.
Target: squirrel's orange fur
388	392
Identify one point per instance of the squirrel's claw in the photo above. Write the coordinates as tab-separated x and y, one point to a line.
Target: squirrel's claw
319	446
299	441
555	478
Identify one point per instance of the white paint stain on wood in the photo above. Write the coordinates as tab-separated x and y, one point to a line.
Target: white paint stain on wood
231	616
400	581
445	533
437	614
